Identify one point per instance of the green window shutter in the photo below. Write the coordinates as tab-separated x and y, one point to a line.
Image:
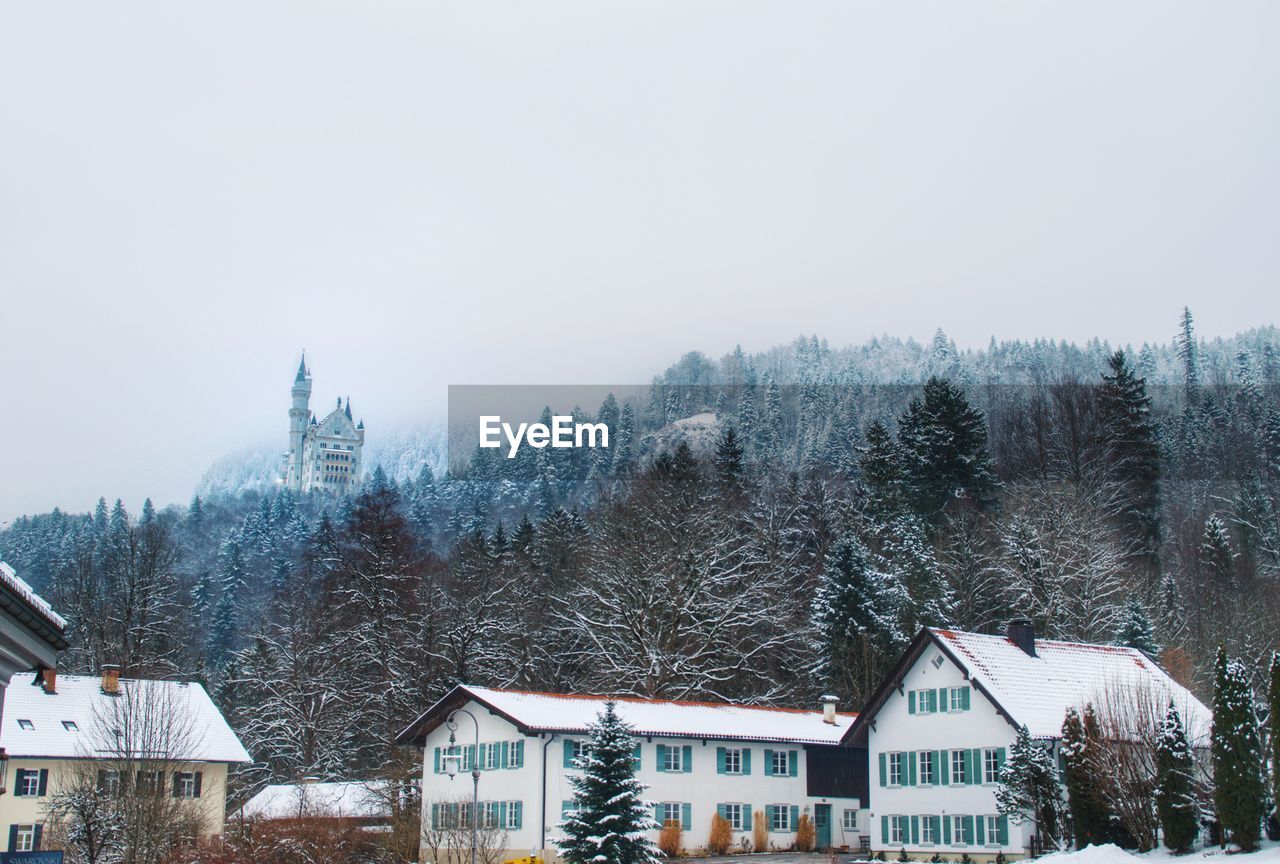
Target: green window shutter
946	831
568	753
942	699
964	699
636	757
746	817
722	811
502	815
915	830
720	762
937	828
746	760
884	771
662	757
686	760
978	778
471	756
437	760
686	816
884	829
942	767
480	759
968	830
768	763
911	768
657	815
519	805
911	702
999	760
980	829
435	813
504	754
793	763
795	817
519	754
1002	827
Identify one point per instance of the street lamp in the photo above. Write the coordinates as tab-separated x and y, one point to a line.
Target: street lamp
453	762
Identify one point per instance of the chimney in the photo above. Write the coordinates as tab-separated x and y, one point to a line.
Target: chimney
111	679
50	680
829	709
1022	633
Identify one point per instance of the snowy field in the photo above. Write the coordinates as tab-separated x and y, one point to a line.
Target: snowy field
1111	854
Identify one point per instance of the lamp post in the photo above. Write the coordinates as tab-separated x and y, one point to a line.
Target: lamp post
453	761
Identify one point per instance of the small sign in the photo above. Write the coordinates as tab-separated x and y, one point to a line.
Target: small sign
30	857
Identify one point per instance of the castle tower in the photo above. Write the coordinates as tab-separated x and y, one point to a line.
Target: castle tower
299	414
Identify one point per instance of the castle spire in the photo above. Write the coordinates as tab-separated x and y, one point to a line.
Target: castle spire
302	369
348	408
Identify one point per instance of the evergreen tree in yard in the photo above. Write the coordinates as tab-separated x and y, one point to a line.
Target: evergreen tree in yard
1132	452
1239	790
1090	819
1136	631
607	823
1029	788
1175	795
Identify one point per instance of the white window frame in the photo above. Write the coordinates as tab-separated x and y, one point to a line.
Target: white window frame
898	829
992	837
673	760
25	838
957	829
938	660
579	749
733	815
781	765
29	785
955	699
922	702
990	766
849	821
512	820
733	760
111	782
26	725
492	757
897	764
779	818
956	760
186	784
668	808
512	754
925	773
926	831
489	814
464	814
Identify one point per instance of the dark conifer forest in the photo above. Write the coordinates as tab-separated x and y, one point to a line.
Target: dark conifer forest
821	506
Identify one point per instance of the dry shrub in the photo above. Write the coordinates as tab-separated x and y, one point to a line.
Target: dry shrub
671	838
759	832
721	835
294	841
806	834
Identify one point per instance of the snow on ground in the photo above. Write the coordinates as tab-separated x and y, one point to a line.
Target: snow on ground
1112	854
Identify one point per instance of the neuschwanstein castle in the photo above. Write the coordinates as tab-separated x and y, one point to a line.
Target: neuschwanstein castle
323	455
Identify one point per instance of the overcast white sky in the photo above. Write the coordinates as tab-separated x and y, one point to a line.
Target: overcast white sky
422	194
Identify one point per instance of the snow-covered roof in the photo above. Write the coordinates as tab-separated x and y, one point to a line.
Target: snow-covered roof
20	587
1037	691
76	721
352	800
573	714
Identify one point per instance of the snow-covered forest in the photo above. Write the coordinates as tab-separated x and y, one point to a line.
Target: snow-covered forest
787	545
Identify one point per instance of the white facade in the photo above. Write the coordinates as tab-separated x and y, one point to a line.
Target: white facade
524	784
324	455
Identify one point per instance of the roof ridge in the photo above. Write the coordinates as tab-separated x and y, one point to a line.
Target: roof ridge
692	703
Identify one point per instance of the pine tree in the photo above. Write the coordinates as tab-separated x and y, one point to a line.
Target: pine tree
882	474
1090	817
1239	790
728	461
1029	789
1132	452
945	454
1136	631
1185	344
1273	714
1176	805
608	823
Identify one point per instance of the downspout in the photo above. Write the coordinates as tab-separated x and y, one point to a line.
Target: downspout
542	827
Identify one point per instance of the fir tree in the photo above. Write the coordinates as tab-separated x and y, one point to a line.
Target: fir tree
1185	344
1090	816
1132	451
728	461
1136	630
608	823
882	473
1273	714
1029	787
1176	805
1239	790
944	444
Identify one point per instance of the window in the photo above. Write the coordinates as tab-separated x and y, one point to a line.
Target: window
779	817
959	699
150	782
464	814
670	811
492	755
489	815
781	764
733	760
515	750
579	749
109	783
990	765
733	815
925	758
26	724
926	701
938	660
24	838
957	767
926	829
895	769
850	820
513	815
673	759
897	830
70	726
186	785
28	784
992	834
957	830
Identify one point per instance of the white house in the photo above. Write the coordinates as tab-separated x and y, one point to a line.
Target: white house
744	762
938	728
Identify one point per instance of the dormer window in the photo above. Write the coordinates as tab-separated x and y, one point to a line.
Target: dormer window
26	724
70	726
